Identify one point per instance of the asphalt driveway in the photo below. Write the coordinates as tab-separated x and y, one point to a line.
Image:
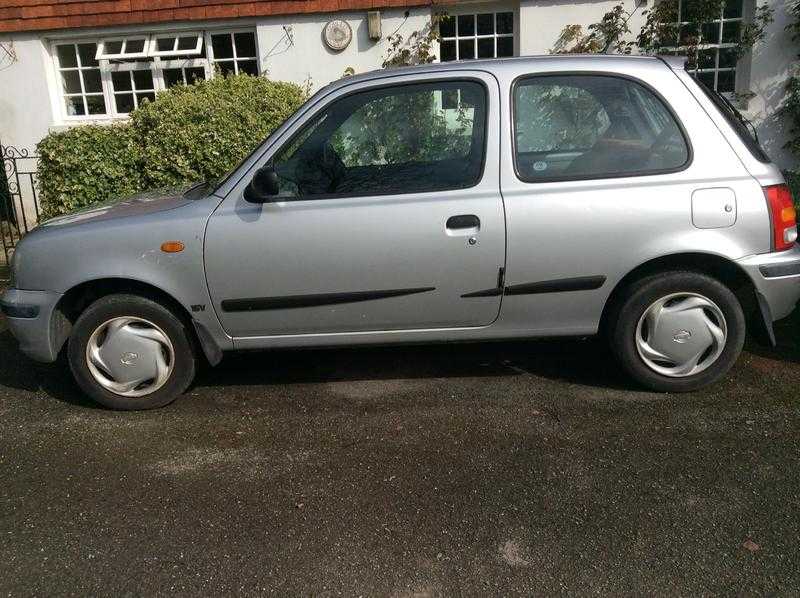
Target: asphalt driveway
499	469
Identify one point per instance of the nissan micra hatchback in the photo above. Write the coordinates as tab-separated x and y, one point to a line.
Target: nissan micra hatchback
519	198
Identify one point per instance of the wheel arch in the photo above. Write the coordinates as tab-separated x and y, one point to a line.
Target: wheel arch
80	296
721	268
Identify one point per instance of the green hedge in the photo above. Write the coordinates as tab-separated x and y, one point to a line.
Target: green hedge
190	133
86	165
793	178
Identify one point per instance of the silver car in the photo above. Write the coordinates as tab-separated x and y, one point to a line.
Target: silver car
521	198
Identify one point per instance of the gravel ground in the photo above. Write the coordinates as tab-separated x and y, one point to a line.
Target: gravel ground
499	469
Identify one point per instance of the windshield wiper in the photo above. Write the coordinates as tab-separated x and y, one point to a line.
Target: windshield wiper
739	116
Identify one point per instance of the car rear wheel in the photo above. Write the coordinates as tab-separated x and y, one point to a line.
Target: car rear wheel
677	331
129	352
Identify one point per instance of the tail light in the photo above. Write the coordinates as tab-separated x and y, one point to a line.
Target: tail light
783	216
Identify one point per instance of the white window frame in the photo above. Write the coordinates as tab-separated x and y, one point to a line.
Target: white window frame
122	55
156	65
61	95
474	12
717	47
154	51
235	60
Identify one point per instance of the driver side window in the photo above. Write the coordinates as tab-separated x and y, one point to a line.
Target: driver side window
404	139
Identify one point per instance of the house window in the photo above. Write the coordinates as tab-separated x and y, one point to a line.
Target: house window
235	53
716	55
111	77
481	35
80	78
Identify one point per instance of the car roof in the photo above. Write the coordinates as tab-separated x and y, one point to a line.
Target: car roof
577	61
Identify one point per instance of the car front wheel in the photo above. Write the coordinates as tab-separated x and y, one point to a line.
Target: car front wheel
130	352
678	331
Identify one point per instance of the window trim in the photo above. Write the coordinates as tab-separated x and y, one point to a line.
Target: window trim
560	179
309	118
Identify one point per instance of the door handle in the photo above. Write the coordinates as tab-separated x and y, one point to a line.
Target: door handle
462	221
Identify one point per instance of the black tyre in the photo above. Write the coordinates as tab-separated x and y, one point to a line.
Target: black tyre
677	331
129	352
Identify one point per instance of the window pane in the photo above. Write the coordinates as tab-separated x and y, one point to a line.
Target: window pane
143	79
733	9
223	47
466	49
121	81
97	104
726	81
466	25
707	59
124	102
710	32
389	141
74	106
447	50
195	74
730	32
165	44
248	66
87	53
71	81
150	96
592	126
486	48
187	42
91	81
134	46
505	46
727	57
66	56
173	77
505	22
226	68
245	45
447	27
486	24
112	47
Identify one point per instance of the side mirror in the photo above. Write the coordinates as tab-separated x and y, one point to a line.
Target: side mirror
263	187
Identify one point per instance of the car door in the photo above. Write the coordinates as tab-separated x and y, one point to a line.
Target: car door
388	216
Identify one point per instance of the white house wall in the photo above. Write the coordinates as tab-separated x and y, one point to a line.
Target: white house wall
307	58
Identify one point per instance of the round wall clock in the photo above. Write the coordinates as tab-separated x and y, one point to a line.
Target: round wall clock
337	35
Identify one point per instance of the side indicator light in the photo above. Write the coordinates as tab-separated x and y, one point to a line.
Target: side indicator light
172	247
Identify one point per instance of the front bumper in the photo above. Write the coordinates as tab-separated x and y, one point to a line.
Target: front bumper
776	277
32	319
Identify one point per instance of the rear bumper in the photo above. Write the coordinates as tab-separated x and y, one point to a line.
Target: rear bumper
776	277
32	320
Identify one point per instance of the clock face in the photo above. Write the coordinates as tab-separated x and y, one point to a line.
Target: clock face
338	35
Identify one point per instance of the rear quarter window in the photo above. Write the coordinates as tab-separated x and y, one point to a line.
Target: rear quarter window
569	127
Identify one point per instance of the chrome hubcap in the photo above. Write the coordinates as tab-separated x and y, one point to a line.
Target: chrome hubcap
130	356
681	334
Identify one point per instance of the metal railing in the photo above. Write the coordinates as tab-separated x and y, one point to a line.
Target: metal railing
19	205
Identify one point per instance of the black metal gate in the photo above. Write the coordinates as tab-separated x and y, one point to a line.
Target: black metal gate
19	206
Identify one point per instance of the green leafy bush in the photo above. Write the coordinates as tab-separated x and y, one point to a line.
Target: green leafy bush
86	165
188	134
201	131
793	179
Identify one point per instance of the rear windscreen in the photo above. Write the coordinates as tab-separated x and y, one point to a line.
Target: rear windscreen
738	122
